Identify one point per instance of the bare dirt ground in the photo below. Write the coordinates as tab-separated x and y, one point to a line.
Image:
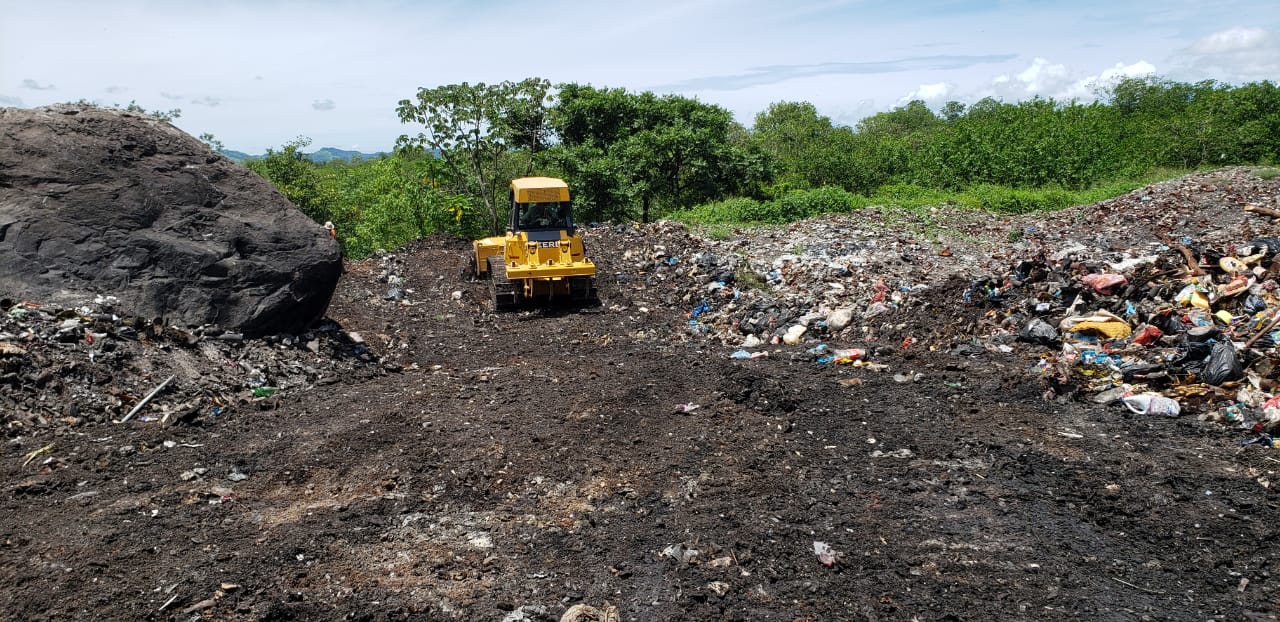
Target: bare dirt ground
512	465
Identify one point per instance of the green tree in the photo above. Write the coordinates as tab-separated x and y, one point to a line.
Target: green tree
952	110
209	139
637	154
475	130
798	141
526	124
295	176
163	115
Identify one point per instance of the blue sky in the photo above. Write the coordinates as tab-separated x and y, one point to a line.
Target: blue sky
259	73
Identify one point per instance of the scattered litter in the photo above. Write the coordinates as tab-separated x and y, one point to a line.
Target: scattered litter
587	613
1152	404
825	553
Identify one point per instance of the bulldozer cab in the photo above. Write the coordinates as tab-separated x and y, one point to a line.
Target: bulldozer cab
540	204
531	216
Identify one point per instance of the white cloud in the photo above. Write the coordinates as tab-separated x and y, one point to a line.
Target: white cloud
32	84
1121	70
1233	55
206	101
323	104
170	96
935	92
1230	41
1041	76
1058	81
1087	88
115	89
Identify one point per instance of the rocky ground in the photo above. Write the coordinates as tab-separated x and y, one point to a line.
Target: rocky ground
684	450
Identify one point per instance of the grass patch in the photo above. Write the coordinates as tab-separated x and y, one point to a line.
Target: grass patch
911	202
747	278
719	232
1267	173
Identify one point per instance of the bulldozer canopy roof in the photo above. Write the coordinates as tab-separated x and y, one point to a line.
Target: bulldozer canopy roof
539	189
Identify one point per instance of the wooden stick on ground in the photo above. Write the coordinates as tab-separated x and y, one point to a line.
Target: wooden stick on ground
1136	587
1192	264
143	401
1265	211
1270	327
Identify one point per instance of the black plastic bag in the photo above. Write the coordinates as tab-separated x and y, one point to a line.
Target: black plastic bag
1038	331
1191	357
1222	364
1254	304
1272	244
1168	324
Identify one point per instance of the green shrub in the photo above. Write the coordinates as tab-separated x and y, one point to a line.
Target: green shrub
810	203
1005	200
914	199
910	195
719	232
769	212
730	211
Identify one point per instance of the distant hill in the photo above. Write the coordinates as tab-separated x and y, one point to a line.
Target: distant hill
328	154
320	156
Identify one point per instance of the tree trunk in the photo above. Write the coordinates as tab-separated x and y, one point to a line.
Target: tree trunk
675	179
486	195
644	208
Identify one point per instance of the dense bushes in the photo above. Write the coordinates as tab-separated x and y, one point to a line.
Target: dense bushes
801	204
643	156
1137	124
379	203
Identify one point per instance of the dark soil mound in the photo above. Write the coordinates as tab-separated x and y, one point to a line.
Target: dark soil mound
97	201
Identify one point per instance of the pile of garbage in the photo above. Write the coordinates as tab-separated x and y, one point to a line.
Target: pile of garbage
747	293
1177	315
63	367
1185	326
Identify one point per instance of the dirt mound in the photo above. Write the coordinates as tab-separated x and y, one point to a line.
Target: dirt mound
96	201
473	465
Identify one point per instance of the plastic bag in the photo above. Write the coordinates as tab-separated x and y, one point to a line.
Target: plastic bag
1193	296
1153	404
1271	244
1104	283
1038	331
848	355
1148	335
1170	323
1222	364
1254	304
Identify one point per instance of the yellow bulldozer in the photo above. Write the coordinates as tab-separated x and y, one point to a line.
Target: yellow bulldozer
540	257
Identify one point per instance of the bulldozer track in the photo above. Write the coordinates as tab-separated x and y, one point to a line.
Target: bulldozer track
501	290
582	289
